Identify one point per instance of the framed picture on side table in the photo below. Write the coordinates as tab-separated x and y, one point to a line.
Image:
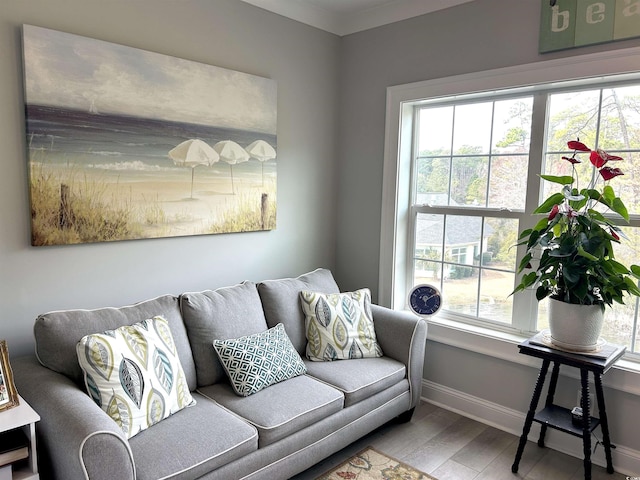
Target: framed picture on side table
8	392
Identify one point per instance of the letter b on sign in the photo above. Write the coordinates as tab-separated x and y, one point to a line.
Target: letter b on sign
558	25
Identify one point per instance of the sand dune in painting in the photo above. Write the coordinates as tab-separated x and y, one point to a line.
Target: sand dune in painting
76	205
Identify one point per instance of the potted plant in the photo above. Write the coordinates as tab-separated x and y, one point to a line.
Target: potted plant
570	252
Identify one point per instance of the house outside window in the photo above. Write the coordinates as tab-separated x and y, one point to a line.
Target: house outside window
468	166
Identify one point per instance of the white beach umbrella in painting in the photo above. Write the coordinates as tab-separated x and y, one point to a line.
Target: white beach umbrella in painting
192	153
232	153
261	151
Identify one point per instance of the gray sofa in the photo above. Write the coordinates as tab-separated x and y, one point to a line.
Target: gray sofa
272	434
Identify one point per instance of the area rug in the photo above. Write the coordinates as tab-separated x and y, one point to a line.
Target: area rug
370	464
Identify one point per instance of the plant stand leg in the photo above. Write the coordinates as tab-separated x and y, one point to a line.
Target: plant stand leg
531	413
550	394
604	422
586	423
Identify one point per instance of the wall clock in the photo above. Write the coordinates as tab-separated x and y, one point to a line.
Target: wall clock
425	300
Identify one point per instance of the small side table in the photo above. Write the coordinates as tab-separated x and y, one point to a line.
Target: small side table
559	418
25	417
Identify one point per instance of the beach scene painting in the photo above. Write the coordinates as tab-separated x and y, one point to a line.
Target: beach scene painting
128	144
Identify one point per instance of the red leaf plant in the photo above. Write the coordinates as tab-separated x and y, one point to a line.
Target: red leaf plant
570	250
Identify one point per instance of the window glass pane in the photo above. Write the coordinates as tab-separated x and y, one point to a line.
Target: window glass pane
428	257
577	115
436	131
460	289
497	279
469	181
543	315
620	320
506	189
512	125
429	235
472	128
495	304
555	165
427	272
572	115
501	234
620	118
462	238
462	250
432	181
627	186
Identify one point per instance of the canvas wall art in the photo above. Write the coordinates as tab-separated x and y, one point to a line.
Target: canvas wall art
128	144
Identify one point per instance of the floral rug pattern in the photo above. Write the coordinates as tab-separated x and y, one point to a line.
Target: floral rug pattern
370	464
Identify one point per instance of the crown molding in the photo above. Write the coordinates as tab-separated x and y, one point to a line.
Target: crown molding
342	24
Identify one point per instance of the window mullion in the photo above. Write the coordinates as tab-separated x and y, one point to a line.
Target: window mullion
525	304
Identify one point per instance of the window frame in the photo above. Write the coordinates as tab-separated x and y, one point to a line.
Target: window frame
397	211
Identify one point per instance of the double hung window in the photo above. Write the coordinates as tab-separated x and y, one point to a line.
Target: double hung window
468	166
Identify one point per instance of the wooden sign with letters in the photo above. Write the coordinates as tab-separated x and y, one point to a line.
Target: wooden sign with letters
576	23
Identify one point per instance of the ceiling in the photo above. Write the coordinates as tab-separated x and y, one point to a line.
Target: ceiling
343	17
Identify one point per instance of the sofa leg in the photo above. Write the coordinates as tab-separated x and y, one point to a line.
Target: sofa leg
405	417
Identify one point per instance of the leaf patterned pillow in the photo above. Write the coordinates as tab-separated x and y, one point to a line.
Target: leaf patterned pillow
339	326
134	374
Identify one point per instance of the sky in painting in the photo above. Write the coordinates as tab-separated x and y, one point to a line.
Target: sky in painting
71	71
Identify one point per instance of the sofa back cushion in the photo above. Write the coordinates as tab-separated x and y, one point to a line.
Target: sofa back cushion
228	312
57	333
281	302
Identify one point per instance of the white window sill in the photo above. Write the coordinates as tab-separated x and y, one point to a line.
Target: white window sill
444	329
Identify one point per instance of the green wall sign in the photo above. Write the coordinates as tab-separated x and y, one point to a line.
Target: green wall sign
575	23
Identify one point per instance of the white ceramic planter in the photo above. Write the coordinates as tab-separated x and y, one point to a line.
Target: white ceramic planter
575	327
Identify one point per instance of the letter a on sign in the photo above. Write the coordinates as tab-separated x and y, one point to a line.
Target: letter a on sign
627	22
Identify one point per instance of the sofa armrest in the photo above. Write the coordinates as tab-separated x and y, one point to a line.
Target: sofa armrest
403	337
78	439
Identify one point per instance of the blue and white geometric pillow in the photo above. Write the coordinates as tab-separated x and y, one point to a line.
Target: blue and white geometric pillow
254	362
134	374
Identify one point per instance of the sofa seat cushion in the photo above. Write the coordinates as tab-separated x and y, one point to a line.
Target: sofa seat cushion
229	312
281	409
281	301
192	442
359	378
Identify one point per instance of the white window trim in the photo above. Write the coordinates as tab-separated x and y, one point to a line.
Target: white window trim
395	209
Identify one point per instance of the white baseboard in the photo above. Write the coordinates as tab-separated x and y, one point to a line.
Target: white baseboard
625	460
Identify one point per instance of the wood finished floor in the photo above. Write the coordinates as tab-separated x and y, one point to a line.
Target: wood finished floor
452	447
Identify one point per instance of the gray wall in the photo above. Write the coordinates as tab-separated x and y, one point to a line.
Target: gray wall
476	36
226	33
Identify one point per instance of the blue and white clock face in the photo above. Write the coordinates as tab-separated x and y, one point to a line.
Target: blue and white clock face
425	300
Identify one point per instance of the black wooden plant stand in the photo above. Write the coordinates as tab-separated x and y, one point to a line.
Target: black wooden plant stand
559	418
